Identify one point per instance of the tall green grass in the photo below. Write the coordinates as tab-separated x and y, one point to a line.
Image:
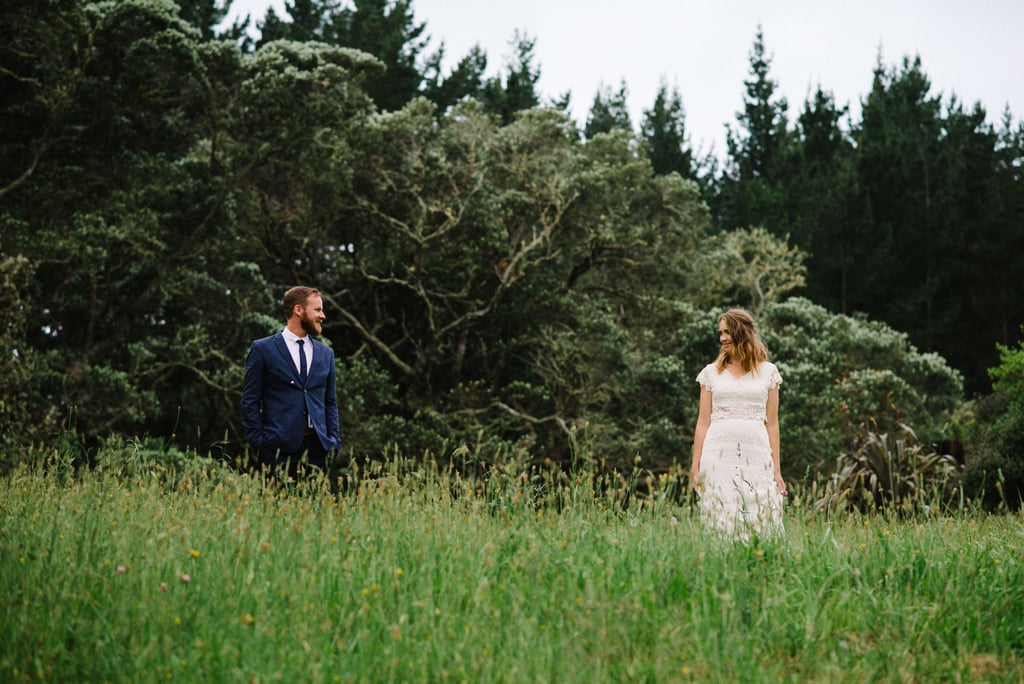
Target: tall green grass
412	573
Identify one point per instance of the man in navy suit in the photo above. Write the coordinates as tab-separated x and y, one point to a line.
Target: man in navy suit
289	401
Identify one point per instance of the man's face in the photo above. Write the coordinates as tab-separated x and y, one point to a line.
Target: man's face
313	316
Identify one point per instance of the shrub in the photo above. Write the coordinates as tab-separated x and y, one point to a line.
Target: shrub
994	448
1008	376
843	375
891	471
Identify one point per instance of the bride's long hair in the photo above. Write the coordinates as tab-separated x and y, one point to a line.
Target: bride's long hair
747	347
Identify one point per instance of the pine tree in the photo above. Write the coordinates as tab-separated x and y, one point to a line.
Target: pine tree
946	251
387	30
826	219
207	15
664	133
609	112
999	258
308	20
518	90
465	80
898	167
756	148
751	192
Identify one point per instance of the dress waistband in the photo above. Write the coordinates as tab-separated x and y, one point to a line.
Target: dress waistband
738	413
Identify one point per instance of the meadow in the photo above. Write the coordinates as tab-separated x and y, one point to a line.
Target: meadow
140	571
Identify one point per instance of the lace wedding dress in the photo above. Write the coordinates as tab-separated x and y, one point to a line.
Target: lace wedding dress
738	495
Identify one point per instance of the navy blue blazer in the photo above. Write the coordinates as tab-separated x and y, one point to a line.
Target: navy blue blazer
275	403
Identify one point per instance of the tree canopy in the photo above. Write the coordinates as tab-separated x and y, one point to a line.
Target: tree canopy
496	276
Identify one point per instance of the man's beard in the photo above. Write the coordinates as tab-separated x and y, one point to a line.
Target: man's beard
311	326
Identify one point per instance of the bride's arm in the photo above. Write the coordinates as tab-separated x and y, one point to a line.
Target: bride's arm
703	421
772	423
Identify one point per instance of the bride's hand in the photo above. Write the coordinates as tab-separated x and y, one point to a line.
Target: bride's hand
781	484
695	480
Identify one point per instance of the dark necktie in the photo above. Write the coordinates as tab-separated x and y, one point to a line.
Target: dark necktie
302	362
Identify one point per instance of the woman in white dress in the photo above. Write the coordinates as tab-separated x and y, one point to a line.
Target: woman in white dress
735	467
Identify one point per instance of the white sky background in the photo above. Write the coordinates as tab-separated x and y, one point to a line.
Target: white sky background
971	48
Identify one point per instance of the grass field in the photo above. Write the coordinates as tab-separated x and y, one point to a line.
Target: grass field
413	574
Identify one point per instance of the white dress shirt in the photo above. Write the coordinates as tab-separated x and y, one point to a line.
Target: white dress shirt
293	348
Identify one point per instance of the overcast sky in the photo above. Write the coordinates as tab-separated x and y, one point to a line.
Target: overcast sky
971	48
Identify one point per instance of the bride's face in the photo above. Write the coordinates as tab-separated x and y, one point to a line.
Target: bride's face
723	334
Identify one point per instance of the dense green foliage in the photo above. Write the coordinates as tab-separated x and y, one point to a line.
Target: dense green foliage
1008	376
141	570
497	277
994	435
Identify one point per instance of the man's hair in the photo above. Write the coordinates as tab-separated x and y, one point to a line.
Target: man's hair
297	295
